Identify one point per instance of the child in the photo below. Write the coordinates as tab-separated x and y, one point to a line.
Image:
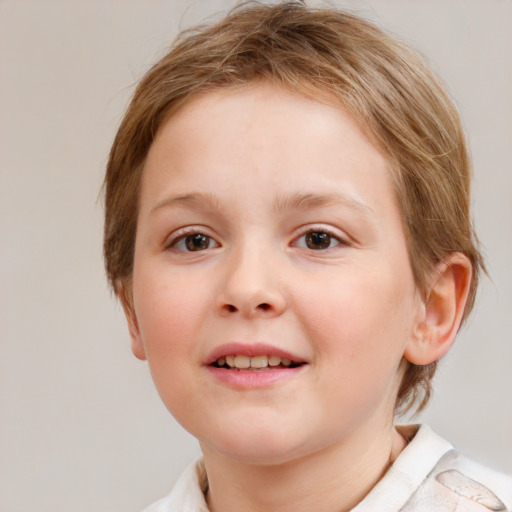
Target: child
288	230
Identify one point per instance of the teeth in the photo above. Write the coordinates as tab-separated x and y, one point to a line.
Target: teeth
274	360
259	362
244	362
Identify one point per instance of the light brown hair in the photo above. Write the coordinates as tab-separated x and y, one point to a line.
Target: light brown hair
335	57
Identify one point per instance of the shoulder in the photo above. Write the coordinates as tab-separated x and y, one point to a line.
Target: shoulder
456	483
431	475
187	495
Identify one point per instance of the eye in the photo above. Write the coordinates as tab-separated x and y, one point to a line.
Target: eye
317	240
194	242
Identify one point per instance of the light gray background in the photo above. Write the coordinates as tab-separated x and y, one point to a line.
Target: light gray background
81	427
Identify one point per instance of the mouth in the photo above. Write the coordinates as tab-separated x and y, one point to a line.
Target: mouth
252	366
255	357
258	363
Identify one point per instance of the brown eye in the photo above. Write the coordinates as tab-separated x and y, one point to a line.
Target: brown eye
197	242
318	240
193	242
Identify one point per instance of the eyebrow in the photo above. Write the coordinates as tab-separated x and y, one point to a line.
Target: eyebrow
188	201
295	201
300	201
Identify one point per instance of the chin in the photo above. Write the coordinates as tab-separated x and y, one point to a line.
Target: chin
256	456
257	446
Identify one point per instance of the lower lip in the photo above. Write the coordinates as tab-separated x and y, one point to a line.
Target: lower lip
250	379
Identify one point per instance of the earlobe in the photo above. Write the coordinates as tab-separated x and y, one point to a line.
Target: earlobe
443	310
133	327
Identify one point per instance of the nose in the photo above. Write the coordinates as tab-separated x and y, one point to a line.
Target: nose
251	286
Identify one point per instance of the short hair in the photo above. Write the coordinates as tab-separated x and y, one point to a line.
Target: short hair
338	58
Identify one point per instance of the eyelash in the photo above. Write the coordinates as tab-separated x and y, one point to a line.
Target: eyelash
182	235
322	230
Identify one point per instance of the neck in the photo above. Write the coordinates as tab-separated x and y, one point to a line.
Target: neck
332	480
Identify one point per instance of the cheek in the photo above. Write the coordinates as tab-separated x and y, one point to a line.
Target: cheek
170	316
168	311
362	319
359	329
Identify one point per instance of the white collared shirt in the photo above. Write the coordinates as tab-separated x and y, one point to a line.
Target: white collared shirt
429	475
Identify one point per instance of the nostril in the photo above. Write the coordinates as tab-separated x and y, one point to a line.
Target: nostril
262	307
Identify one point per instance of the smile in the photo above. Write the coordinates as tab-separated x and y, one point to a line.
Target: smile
246	366
257	363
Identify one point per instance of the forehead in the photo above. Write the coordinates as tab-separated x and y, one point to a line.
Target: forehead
273	121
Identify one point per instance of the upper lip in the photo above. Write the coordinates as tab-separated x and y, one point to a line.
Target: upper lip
250	350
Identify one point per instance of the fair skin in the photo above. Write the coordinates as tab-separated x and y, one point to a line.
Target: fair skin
268	228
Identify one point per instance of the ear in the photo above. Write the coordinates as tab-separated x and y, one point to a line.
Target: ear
123	291
443	310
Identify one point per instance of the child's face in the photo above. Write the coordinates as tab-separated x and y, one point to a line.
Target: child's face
268	226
